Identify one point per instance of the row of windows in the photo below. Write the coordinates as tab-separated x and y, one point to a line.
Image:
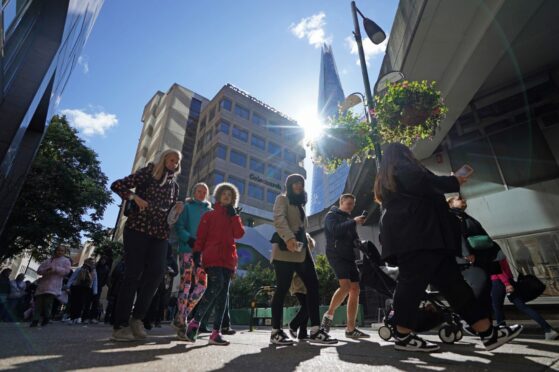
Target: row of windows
255	141
254	190
291	134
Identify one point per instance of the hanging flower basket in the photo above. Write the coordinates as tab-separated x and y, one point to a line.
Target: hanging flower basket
345	138
409	111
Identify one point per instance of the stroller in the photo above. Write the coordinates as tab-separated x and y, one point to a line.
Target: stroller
434	311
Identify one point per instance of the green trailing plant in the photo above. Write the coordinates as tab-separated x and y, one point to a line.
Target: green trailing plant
409	111
346	137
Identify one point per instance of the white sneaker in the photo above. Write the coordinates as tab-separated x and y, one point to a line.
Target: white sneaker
551	335
137	327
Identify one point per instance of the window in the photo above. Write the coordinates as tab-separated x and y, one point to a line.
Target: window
223	127
240	134
221	151
239	183
258	120
212	114
238	158
242	112
216	177
274	128
289	156
274	149
195	107
258	142
207	137
257	165
225	104
274	172
255	191
271	196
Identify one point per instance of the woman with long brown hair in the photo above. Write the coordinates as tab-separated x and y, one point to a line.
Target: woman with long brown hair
419	235
145	239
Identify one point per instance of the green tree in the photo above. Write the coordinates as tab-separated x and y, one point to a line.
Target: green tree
244	287
64	196
327	281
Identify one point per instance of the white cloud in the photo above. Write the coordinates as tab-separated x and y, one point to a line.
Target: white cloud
312	28
82	61
90	124
370	49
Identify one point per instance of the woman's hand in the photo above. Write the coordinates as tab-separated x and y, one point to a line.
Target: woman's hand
292	245
141	203
461	179
179	207
509	288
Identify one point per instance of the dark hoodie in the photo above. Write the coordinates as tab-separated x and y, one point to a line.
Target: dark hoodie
217	232
341	232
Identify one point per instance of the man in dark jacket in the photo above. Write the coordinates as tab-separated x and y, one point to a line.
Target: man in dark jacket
341	235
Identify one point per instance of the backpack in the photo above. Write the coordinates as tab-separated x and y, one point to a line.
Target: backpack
84	278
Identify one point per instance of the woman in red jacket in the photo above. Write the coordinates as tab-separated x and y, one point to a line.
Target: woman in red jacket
215	239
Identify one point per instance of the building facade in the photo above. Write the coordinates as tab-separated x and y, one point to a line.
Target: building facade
246	142
170	121
40	43
327	188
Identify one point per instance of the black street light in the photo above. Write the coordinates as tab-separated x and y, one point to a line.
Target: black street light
377	36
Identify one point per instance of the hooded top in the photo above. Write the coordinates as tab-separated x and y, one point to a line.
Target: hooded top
188	222
341	232
217	232
53	271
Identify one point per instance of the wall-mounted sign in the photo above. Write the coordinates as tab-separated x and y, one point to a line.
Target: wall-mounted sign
257	178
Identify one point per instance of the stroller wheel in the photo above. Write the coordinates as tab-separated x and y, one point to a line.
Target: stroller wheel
459	335
447	335
385	333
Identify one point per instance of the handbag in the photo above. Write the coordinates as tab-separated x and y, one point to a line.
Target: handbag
528	287
480	241
130	208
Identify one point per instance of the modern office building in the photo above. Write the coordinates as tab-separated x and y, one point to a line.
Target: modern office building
327	187
246	142
170	121
40	42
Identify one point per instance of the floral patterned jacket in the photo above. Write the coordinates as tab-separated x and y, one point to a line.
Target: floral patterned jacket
160	195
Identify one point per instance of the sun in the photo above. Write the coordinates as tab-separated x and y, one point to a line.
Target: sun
310	121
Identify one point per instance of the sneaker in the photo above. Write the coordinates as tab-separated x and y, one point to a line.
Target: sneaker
176	324
228	331
181	335
123	335
192	331
551	335
326	323
293	332
467	328
356	334
34	323
322	337
413	342
216	339
137	327
203	329
76	321
280	338
500	336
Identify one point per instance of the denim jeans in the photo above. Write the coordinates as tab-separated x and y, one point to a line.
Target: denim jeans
215	296
498	292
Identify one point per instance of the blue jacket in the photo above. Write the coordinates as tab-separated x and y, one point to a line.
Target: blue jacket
74	277
188	222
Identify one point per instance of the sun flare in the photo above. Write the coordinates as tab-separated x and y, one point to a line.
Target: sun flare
310	121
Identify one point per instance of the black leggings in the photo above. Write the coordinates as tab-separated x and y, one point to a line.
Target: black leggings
437	267
145	258
284	276
302	317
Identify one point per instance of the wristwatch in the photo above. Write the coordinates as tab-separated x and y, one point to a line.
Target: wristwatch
131	196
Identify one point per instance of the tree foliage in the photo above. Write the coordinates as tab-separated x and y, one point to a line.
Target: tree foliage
64	195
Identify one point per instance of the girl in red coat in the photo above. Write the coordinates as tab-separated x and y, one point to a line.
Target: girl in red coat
215	239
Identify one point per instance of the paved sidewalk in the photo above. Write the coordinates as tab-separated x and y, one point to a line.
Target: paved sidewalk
60	347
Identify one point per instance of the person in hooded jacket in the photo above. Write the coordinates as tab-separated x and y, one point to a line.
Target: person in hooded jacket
145	238
341	234
215	240
419	235
291	254
192	277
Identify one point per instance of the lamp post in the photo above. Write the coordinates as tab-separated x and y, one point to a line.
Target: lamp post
377	36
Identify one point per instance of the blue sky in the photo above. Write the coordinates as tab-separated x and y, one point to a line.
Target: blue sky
267	48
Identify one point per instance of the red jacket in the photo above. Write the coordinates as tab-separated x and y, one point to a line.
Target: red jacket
216	236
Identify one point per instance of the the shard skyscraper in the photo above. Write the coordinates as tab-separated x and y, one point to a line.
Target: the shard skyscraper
327	188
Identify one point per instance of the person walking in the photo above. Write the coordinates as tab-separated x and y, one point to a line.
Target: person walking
83	287
4	293
16	296
145	239
102	268
49	286
341	237
290	254
193	279
418	235
502	285
215	240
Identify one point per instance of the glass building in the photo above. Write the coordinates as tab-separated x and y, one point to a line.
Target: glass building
327	188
